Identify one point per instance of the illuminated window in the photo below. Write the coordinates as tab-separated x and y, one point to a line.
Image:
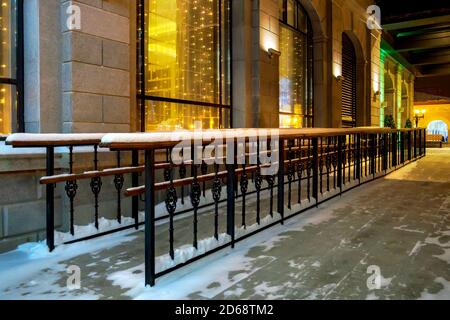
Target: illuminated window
296	78
11	119
185	77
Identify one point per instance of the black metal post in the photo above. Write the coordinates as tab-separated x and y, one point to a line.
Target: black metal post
231	183
374	155
402	147
415	144
150	272
420	143
134	184
339	164
50	201
280	195
315	146
409	146
358	157
394	149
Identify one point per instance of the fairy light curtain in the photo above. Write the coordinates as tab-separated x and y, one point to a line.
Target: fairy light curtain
296	107
186	69
8	18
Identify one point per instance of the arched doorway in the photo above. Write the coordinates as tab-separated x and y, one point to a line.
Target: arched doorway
348	83
438	127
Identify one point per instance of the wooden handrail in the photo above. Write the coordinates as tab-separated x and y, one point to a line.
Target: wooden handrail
89	175
155	140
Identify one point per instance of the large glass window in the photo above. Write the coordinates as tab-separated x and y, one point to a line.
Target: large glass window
185	76
10	66
296	62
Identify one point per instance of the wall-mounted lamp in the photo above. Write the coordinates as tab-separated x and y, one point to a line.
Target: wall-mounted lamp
419	114
273	52
376	95
339	78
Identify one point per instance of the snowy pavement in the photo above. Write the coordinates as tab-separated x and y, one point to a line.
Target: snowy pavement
398	226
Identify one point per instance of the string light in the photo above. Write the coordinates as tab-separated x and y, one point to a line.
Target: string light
182	61
6	36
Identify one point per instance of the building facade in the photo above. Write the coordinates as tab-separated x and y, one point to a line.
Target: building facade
124	66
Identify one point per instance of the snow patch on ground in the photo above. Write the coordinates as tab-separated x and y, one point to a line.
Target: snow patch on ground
443	294
31	258
216	273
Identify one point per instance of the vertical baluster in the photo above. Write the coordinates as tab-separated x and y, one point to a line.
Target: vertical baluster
96	186
409	145
366	155
118	183
171	206
231	184
300	169
183	173
150	270
350	157
216	193
357	161
244	188
50	201
71	191
308	170
290	173
335	161
344	159
204	170
270	182
340	162
134	184
196	192
328	162
280	191
258	183
321	165
315	161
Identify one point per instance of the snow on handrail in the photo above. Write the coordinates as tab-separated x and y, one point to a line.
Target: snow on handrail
171	138
35	140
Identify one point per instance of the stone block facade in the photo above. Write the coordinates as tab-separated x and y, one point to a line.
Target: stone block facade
84	80
96	68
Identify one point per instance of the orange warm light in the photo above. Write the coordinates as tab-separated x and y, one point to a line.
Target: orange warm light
182	62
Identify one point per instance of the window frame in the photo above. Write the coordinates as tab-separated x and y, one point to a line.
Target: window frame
309	52
142	97
18	82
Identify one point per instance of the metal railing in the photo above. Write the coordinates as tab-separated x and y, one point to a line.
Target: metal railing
314	165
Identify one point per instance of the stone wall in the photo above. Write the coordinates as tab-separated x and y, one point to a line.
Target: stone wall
96	68
23	201
434	112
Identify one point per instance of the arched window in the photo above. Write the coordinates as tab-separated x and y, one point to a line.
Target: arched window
296	66
184	64
438	127
11	66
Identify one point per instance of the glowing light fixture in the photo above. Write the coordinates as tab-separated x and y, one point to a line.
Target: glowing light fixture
419	114
273	52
